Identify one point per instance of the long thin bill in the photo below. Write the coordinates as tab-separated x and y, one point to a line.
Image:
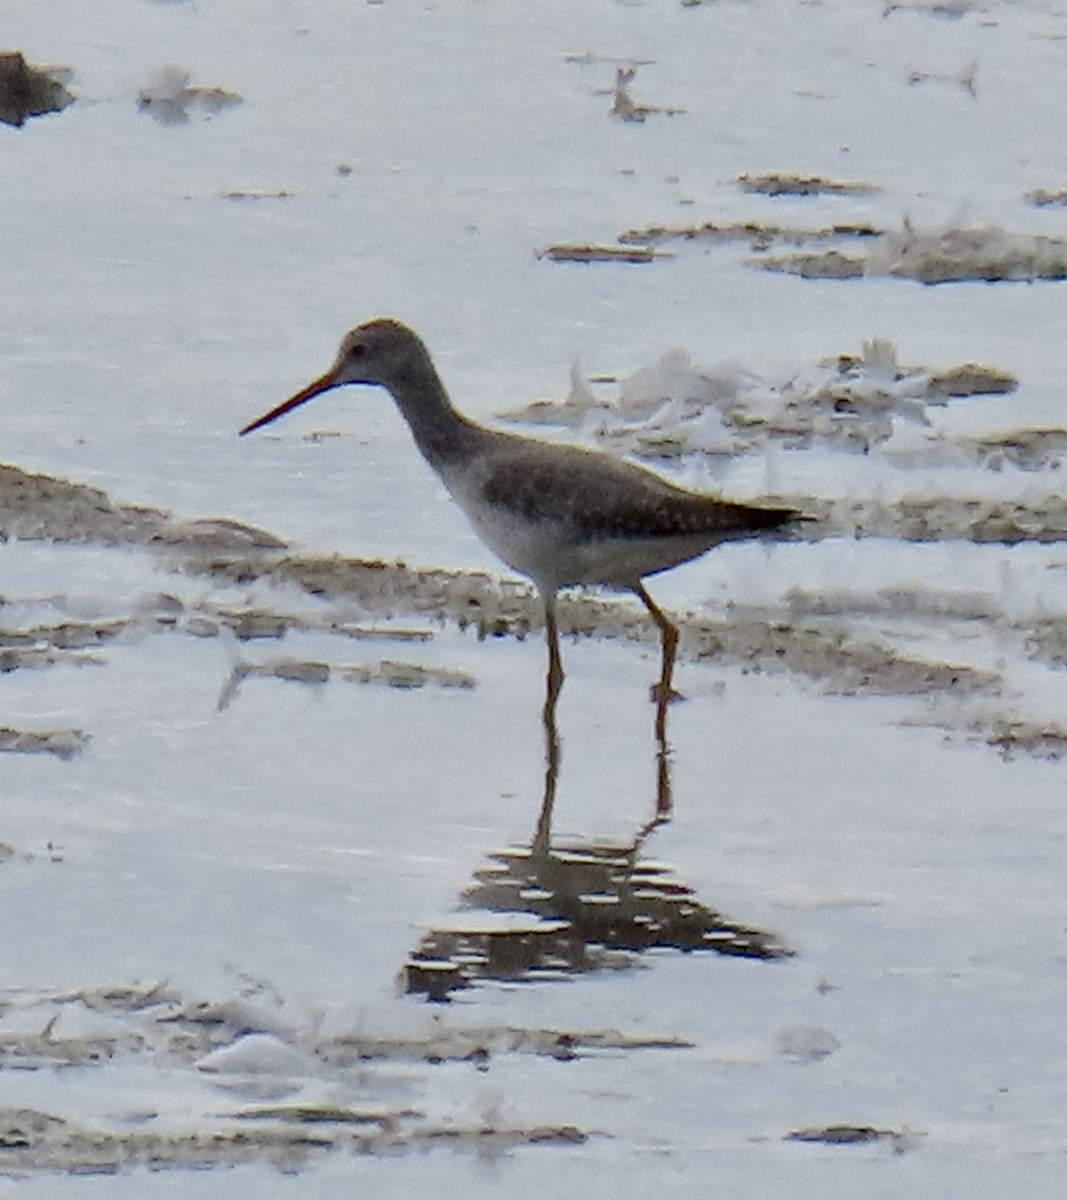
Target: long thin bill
323	384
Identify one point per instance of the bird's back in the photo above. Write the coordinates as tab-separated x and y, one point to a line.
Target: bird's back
562	514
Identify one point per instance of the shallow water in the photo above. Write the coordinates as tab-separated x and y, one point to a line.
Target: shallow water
271	734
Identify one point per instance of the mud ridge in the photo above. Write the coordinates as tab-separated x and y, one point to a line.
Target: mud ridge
827	653
812	637
985	254
289	1140
232	1037
35	506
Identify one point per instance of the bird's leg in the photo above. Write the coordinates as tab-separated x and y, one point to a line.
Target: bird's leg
664	795
662	692
554	679
542	840
553	683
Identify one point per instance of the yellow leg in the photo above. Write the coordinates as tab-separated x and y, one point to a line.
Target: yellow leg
669	634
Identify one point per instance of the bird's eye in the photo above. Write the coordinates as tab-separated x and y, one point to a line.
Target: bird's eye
357	351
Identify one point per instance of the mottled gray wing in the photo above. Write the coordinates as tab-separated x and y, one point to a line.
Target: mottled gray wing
603	497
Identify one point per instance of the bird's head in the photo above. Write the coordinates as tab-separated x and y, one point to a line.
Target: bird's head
381	352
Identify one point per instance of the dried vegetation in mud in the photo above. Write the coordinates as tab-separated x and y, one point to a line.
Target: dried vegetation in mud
984	253
847	248
590	252
63	743
271	1084
170	98
288	1139
623	105
778	183
858	249
229	1045
852	402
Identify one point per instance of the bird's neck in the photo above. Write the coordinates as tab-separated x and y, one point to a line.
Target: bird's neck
441	433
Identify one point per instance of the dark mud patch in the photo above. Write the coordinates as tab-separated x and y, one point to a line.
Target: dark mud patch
898	1140
592	252
27	90
779	183
947	10
1043	198
759	235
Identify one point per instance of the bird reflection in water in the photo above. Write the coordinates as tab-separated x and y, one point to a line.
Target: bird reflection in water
546	909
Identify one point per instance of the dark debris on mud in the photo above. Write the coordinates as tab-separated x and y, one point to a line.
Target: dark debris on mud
898	1140
28	90
1012	737
784	183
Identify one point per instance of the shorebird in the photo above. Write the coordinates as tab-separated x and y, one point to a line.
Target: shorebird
558	514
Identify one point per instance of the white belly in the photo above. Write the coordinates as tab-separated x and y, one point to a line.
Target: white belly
554	554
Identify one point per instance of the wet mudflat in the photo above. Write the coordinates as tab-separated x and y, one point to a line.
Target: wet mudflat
285	886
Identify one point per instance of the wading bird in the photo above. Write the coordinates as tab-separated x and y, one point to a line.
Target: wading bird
560	515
